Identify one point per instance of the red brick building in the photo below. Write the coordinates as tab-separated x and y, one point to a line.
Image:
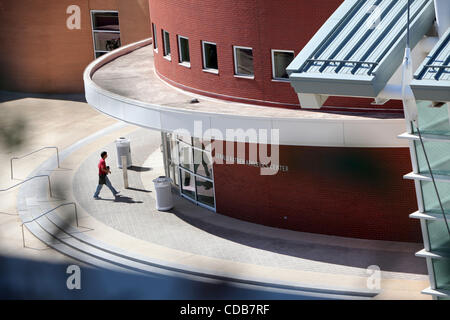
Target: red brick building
264	26
343	177
346	191
40	54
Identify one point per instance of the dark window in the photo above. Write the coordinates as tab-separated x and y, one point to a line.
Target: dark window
243	60
210	56
183	47
280	61
155	40
108	21
187	184
166	43
205	191
99	54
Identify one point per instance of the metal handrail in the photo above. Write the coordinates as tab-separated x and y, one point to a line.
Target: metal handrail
342	61
47	212
39	176
29	154
438	67
338	64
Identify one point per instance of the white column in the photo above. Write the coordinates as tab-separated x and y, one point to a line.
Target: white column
442	8
125	171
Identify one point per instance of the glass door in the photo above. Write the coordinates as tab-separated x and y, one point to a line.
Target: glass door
189	164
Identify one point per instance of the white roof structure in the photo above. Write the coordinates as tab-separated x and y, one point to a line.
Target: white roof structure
359	48
432	79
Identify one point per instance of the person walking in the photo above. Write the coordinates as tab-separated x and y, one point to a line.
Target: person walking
103	172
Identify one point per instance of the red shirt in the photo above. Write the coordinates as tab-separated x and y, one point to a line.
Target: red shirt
101	165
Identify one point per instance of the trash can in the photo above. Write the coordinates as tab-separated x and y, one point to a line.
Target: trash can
163	190
123	149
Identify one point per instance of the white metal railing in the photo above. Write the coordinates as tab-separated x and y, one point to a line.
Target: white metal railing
29	179
47	212
29	154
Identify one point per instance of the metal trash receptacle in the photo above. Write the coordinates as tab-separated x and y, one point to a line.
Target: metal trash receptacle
163	188
123	147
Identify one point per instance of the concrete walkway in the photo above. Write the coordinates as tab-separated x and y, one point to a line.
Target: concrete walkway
196	230
188	236
49	121
200	239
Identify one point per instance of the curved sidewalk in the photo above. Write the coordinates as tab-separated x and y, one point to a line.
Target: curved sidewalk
192	238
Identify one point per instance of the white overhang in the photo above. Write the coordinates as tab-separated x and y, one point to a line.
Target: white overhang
124	84
432	79
359	48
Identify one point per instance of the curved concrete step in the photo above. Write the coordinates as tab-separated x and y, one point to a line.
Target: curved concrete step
69	251
66	245
120	256
120	264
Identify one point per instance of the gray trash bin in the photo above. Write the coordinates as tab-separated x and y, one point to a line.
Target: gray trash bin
123	149
163	188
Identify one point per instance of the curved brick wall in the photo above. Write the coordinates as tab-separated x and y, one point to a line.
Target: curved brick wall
349	192
260	24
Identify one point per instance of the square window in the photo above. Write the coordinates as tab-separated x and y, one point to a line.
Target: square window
243	61
210	56
187	183
280	61
105	31
205	191
203	164
105	21
183	48
155	40
106	41
186	156
166	39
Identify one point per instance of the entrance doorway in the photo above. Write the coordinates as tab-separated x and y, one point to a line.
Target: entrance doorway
188	162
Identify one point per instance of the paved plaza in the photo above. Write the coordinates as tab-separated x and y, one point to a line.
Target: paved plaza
196	230
188	237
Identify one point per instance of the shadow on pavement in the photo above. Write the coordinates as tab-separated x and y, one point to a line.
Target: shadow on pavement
393	261
138	190
139	169
28	279
6	96
121	199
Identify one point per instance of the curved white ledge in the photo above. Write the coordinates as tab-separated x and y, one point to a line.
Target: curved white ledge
314	129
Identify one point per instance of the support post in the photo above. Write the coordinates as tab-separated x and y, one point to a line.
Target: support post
125	171
11	162
164	147
57	156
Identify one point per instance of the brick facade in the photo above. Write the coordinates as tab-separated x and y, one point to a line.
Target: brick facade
260	24
350	192
40	54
